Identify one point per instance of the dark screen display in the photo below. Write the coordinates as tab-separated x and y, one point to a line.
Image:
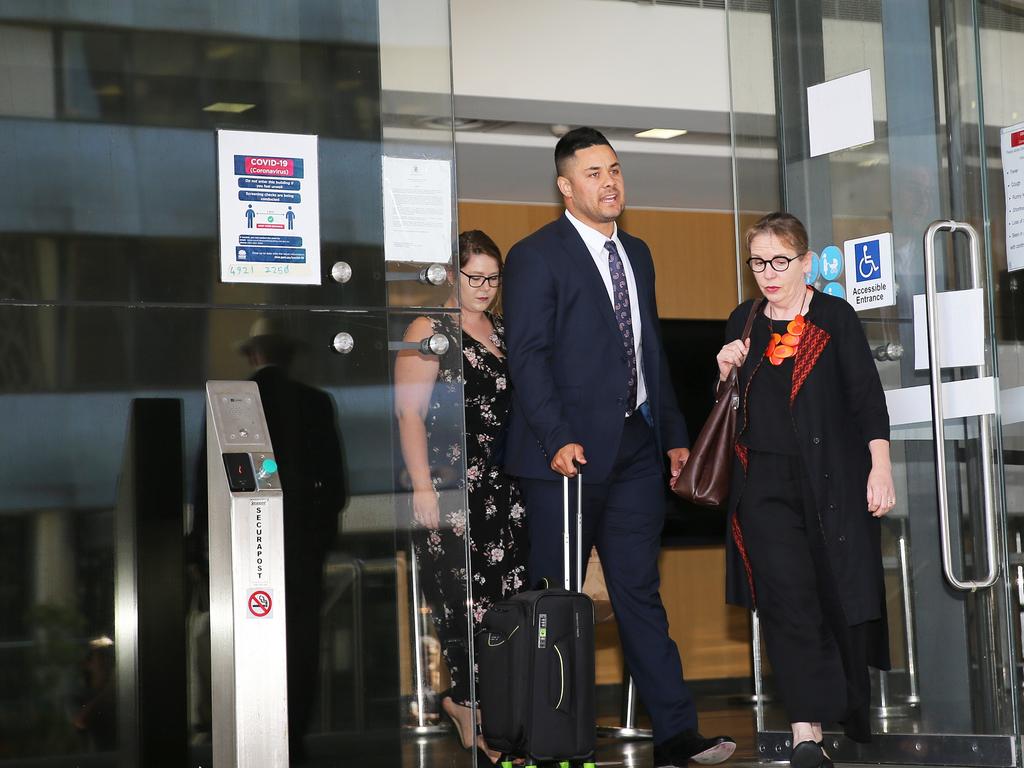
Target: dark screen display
240	474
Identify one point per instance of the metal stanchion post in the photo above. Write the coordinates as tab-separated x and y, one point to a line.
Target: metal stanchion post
628	729
885	707
420	727
913	697
755	650
755	644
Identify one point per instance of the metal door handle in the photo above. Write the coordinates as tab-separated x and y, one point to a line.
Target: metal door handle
935	372
436	344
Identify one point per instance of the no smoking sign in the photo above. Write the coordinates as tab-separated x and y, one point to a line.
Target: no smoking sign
261	604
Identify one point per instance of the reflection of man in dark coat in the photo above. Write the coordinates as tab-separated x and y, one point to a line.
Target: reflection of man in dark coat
308	451
307	447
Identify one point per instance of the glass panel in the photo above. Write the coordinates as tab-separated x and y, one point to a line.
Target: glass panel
417	122
1000	27
120	123
110	306
753	123
951	650
64	462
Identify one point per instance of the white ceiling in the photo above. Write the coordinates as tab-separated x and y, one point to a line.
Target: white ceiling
522	69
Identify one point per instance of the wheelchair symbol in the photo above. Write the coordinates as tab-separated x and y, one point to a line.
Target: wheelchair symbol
869	265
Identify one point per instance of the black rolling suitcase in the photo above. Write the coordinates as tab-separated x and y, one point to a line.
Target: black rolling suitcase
536	660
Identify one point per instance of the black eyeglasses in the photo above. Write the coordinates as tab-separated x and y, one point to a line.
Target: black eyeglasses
475	281
779	263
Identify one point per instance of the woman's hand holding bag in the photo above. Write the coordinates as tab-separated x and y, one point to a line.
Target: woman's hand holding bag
705	477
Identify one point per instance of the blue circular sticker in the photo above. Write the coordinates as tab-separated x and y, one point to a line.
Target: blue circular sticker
831	263
835	289
811	276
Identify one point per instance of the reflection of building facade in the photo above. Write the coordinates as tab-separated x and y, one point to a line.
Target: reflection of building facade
109	290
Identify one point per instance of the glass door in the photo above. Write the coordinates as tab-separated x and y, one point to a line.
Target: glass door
923	177
112	320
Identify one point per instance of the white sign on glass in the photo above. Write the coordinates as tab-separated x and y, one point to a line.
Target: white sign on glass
869	273
840	113
961	339
1012	148
269	193
417	210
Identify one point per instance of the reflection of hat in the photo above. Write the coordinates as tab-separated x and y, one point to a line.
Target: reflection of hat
266	332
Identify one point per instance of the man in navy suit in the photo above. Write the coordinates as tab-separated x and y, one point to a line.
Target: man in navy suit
591	387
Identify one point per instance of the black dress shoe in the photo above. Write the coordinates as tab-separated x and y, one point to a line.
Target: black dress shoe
809	754
690	745
827	762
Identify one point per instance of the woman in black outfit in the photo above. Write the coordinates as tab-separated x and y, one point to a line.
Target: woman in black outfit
427	388
811	479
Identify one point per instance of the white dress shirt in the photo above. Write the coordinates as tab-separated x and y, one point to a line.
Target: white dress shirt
595	241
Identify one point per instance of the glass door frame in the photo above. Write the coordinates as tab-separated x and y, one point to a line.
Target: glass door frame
917	727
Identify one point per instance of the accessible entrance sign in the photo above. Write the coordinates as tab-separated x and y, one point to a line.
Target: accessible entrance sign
269	193
869	275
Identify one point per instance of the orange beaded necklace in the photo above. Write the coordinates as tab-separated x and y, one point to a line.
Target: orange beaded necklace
783	345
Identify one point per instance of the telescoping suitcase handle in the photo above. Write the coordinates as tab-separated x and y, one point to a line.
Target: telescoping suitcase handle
579	530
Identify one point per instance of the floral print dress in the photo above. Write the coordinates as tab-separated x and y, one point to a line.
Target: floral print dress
497	536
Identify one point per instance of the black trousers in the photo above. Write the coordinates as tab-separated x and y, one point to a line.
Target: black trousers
818	660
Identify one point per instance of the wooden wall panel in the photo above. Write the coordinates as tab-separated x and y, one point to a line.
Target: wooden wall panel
694	251
694	254
713	638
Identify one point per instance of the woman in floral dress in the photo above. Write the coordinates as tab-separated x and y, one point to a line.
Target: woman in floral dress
427	391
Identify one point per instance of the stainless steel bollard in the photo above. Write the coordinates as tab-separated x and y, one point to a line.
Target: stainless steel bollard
627	730
247	589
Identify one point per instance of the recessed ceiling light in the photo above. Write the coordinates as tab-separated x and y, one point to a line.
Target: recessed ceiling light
449	123
660	133
233	107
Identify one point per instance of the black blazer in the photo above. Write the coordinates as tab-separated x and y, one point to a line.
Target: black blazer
566	360
308	449
838	407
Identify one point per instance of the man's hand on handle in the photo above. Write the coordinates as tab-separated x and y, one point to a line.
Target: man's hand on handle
567	454
677	458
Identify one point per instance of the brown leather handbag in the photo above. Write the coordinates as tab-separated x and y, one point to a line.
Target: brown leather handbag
705	477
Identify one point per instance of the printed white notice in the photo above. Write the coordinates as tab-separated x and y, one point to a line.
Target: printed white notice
961	339
869	273
840	113
417	210
269	208
1012	145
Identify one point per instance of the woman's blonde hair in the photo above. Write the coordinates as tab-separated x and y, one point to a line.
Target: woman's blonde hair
785	226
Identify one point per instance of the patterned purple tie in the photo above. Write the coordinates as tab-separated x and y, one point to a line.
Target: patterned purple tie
624	317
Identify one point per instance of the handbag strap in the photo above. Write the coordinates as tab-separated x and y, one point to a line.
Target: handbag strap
754	308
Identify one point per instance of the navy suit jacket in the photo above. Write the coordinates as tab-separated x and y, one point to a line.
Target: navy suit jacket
566	360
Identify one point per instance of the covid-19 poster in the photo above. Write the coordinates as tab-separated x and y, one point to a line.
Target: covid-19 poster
269	208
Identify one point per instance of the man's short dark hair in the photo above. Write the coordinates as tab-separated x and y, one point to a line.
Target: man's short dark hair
575	140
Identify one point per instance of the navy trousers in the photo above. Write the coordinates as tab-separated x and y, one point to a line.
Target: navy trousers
623	516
